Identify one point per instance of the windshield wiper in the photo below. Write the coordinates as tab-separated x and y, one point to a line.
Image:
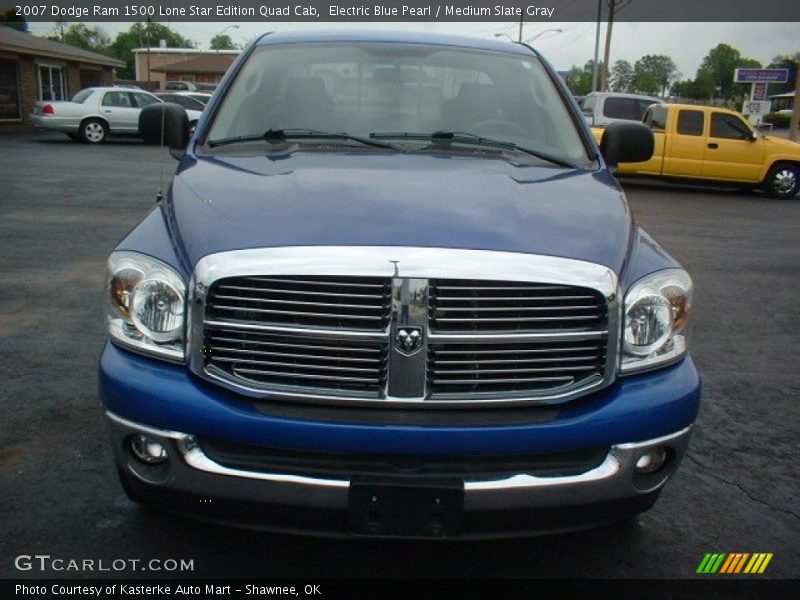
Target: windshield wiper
464	137
282	135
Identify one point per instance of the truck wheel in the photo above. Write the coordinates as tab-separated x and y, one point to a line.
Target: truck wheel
93	131
783	181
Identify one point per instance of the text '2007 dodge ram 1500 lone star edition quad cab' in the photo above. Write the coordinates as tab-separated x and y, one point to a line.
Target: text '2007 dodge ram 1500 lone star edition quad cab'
394	290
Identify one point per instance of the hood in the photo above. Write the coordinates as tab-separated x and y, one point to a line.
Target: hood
783	145
312	198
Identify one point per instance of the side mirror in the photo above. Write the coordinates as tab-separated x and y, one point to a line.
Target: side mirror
175	131
753	136
625	141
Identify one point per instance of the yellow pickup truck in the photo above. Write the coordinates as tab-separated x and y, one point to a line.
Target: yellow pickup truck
715	144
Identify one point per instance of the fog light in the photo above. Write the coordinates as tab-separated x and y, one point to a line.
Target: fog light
148	450
652	460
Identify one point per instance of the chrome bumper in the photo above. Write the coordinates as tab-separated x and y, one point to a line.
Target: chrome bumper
615	478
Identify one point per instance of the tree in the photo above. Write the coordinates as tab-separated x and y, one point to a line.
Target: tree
719	65
83	36
10	19
223	42
622	76
579	80
653	73
143	35
785	61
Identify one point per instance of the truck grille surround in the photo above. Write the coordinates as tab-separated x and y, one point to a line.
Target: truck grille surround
340	338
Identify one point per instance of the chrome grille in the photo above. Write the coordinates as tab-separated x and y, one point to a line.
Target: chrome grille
528	368
503	328
470	305
338	302
276	360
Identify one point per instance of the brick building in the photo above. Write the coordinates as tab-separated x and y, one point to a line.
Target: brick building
159	65
33	68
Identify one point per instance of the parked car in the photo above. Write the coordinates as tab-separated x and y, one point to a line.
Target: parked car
423	310
710	144
95	113
181	86
188	100
205	87
603	108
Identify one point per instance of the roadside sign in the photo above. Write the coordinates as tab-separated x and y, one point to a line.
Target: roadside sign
756	108
759	93
761	76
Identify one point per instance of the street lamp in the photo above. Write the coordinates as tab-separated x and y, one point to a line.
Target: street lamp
541	33
530	39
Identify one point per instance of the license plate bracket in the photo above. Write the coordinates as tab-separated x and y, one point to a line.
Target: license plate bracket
406	508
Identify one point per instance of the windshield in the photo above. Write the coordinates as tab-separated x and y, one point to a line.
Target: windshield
378	90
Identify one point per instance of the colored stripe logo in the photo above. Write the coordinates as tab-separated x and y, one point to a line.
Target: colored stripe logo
734	563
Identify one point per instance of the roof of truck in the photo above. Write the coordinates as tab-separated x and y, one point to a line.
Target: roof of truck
292	37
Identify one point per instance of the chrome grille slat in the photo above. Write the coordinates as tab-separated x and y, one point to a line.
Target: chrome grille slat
300	346
316	282
223	350
298	302
293	312
326	378
513	308
298	292
513	380
291	365
477	372
517	319
515	361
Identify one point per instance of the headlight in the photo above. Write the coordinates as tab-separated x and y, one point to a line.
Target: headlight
657	309
146	305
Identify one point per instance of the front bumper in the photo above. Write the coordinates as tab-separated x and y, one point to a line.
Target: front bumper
165	402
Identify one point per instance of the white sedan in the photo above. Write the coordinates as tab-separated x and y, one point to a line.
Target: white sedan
95	113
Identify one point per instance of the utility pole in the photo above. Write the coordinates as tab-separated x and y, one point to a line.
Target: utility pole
794	122
612	7
148	54
596	44
521	21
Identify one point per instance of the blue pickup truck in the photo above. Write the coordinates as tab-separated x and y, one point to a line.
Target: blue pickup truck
394	290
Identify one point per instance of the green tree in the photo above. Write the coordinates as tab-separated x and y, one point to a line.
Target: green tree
718	67
83	36
785	61
143	35
10	19
223	42
622	76
653	73
579	80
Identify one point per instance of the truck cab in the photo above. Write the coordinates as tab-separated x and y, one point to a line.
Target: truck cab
706	143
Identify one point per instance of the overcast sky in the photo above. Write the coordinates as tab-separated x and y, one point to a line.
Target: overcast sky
686	43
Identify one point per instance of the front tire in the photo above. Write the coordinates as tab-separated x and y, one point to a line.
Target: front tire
783	181
94	131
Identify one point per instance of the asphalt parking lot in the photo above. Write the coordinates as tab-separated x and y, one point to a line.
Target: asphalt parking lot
65	205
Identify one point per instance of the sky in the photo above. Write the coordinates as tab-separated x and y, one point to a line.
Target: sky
685	43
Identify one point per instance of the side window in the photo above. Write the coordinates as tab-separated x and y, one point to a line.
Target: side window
656	118
117	99
621	108
690	122
728	127
142	100
641	108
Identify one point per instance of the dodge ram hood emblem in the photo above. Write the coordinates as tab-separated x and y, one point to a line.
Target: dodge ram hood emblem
408	340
